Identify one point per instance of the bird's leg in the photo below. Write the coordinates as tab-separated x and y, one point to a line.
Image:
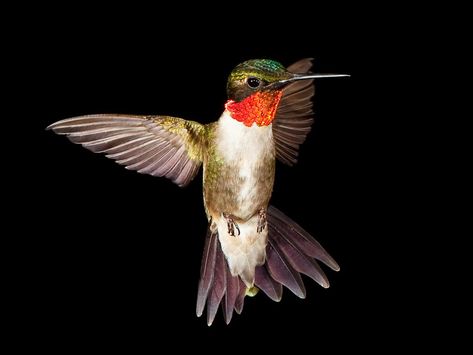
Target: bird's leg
231	224
213	225
262	222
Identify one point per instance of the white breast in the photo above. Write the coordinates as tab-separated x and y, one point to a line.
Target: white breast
244	147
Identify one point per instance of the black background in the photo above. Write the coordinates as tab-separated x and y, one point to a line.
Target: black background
116	256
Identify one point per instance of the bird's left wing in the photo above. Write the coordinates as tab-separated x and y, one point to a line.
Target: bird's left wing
155	145
294	116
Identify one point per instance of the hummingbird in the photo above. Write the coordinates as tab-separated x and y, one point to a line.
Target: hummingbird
250	245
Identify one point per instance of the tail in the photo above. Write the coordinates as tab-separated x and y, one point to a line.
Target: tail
290	251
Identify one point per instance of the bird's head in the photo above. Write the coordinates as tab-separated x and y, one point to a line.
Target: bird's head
254	76
255	87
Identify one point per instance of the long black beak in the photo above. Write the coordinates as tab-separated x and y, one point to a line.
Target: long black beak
296	77
311	76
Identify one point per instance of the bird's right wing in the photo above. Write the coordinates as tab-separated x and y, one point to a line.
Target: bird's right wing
155	145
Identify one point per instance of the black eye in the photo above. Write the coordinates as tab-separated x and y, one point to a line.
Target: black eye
253	82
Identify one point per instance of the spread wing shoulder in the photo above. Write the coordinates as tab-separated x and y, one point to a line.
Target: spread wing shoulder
155	145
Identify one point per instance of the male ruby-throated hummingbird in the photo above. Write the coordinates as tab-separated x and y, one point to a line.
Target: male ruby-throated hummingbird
250	245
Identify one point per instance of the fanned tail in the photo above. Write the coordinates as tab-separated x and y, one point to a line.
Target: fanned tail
290	252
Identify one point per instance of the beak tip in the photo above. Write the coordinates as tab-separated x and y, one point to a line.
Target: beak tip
313	76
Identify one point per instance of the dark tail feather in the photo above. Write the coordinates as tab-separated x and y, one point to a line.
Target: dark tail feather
216	283
240	301
206	270
281	270
304	241
290	251
265	282
233	289
219	286
297	258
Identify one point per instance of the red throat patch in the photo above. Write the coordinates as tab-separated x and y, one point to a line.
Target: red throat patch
259	108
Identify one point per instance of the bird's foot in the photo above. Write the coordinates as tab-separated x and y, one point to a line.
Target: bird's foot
262	222
231	224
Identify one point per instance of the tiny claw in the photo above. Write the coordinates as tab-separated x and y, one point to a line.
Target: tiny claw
231	224
262	222
237	228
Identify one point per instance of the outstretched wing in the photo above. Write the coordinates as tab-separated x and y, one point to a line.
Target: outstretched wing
155	145
294	116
